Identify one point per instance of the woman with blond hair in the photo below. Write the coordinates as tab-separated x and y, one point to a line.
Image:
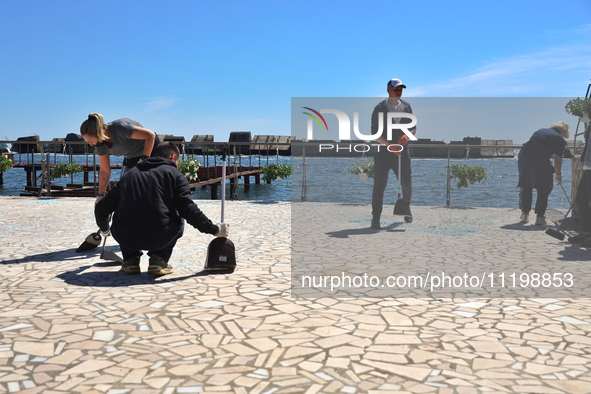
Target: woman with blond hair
121	137
535	168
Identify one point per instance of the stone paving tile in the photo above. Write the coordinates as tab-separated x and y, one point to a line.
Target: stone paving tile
72	323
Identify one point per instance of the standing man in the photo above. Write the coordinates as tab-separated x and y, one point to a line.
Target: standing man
386	158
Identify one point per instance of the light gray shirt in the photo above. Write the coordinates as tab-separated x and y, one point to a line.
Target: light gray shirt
123	144
395	108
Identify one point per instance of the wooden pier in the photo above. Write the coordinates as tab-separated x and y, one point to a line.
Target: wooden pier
208	176
31	170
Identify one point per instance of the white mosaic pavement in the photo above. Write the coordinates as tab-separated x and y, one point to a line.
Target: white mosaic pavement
72	323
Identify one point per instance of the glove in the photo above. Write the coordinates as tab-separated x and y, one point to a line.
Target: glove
223	230
403	140
558	179
106	233
395	149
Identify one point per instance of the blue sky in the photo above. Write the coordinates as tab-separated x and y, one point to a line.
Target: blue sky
196	67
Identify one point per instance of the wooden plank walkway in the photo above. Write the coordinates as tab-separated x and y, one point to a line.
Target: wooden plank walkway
210	176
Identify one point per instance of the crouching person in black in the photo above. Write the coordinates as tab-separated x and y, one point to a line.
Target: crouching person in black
150	203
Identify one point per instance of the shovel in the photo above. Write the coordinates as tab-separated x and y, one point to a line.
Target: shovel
109	255
401	208
221	252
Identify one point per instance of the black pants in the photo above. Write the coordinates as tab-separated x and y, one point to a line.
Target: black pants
583	197
383	165
162	253
541	200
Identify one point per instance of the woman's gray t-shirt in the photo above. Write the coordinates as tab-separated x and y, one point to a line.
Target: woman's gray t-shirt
123	145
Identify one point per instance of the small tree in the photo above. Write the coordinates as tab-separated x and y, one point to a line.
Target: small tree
62	170
467	175
578	107
189	168
274	171
363	167
5	165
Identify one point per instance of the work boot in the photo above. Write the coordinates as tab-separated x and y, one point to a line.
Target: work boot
375	223
131	266
159	267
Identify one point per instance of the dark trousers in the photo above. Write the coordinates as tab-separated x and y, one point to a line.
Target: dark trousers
383	165
527	198
162	253
582	199
130	162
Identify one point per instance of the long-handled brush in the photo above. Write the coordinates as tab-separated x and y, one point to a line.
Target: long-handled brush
556	233
401	208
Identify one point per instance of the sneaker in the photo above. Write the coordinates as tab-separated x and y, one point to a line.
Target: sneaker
524	217
408	219
577	239
131	266
541	221
159	267
375	223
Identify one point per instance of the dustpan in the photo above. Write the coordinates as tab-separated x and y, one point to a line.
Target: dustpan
108	255
221	252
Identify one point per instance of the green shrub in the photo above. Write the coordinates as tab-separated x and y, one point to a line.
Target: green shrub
5	163
363	166
578	107
467	175
62	170
189	168
272	171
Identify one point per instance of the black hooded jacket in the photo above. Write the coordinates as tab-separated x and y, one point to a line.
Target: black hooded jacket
149	202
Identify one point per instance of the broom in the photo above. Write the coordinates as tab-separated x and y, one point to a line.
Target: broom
556	233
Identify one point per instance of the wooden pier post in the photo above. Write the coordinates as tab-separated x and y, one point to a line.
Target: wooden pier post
233	186
246	182
29	176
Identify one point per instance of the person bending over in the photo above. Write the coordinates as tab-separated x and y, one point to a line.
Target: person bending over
535	168
121	137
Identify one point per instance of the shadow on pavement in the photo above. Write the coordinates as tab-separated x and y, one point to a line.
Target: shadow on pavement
79	277
58	255
364	231
574	252
524	227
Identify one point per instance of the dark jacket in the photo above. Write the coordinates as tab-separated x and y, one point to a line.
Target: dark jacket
535	168
149	202
382	108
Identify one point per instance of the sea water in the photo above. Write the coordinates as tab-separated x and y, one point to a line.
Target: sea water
327	180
